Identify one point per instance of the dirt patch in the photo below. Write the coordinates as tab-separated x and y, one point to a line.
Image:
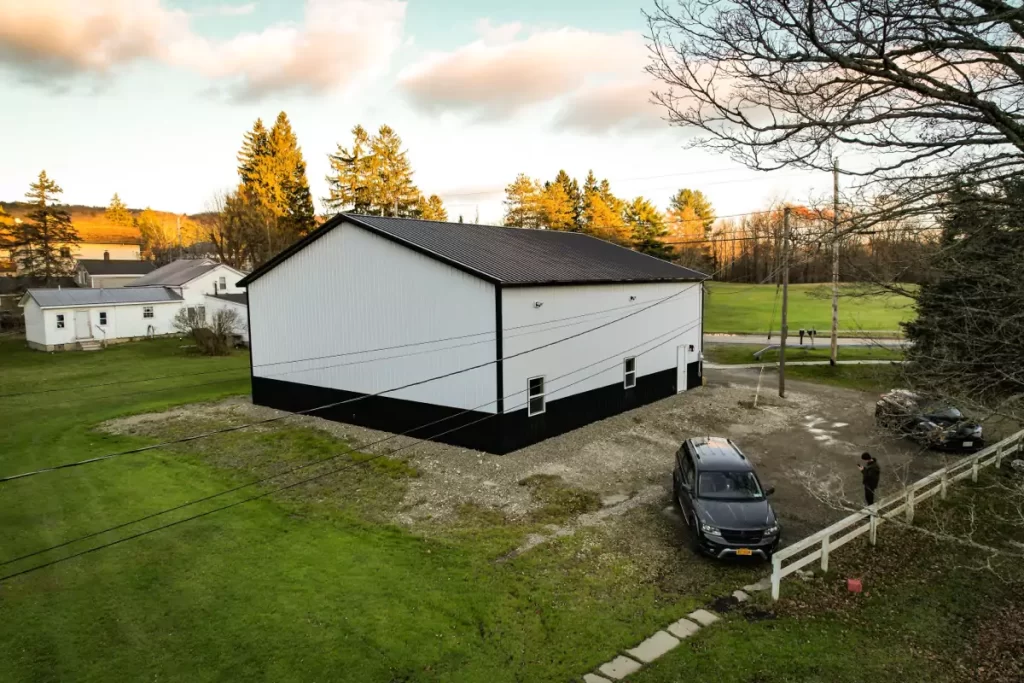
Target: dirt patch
613	459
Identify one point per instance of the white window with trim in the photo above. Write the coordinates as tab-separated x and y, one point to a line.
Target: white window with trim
629	373
223	283
60	321
103	317
535	391
147	311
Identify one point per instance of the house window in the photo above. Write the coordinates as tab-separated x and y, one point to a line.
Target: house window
197	313
147	311
60	321
535	387
103	317
65	252
629	373
223	284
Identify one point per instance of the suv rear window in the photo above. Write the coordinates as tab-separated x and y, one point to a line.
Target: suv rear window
729	486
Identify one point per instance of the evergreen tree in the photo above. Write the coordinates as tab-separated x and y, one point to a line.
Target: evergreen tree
44	244
117	213
155	243
603	212
349	184
432	209
392	190
648	228
252	158
575	197
697	203
522	203
292	201
556	208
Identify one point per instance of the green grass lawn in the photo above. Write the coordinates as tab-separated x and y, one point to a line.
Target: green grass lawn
738	354
931	610
752	309
309	585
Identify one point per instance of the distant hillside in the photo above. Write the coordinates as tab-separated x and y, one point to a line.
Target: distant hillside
93	226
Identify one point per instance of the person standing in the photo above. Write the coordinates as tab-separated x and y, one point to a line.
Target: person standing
870	472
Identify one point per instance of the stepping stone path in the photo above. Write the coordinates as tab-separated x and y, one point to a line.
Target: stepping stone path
653	647
663	641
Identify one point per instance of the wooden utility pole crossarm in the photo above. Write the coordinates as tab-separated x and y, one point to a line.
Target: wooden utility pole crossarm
785	302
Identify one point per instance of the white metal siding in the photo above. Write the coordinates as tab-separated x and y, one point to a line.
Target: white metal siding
603	350
352	291
213	304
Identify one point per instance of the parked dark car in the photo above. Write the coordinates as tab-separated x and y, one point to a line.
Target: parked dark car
931	422
723	502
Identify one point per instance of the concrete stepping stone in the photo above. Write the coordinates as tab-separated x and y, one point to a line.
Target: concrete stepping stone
619	668
684	628
653	647
594	678
703	617
740	596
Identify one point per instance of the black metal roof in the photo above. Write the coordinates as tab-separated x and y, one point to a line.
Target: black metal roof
508	256
116	267
715	451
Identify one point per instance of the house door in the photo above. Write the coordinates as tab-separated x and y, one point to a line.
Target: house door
681	369
83	328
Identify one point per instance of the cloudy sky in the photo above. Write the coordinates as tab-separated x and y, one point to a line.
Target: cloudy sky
150	98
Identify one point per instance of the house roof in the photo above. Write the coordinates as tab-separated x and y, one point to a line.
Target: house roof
59	298
115	267
508	256
175	273
233	298
18	285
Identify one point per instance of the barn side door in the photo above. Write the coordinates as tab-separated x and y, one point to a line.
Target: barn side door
681	368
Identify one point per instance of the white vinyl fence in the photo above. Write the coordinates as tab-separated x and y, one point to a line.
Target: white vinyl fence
820	545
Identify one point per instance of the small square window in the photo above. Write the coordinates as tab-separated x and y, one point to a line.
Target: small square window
147	311
223	283
65	252
535	386
60	321
629	373
103	317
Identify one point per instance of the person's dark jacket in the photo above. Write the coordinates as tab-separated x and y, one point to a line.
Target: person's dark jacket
871	474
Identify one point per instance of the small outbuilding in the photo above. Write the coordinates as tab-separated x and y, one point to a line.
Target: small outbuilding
65	319
231	302
487	337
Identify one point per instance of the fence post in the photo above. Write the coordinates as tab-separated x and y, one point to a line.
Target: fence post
999	456
944	487
974	470
776	576
824	554
910	506
873	531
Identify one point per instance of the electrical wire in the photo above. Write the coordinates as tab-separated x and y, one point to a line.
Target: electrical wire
328	406
678	332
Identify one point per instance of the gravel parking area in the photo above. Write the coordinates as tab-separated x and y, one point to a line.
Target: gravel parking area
806	445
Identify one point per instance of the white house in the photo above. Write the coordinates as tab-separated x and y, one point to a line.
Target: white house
193	279
60	319
110	273
230	302
539	332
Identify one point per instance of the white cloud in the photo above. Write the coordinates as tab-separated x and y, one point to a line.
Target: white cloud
338	42
497	75
619	105
226	10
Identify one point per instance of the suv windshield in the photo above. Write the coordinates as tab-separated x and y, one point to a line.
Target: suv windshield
729	485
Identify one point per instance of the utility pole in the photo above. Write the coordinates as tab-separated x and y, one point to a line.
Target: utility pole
835	262
785	302
179	235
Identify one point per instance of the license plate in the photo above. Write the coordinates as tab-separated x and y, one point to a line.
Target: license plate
968	444
744	551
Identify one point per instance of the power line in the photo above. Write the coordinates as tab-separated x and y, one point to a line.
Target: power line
142	449
678	331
